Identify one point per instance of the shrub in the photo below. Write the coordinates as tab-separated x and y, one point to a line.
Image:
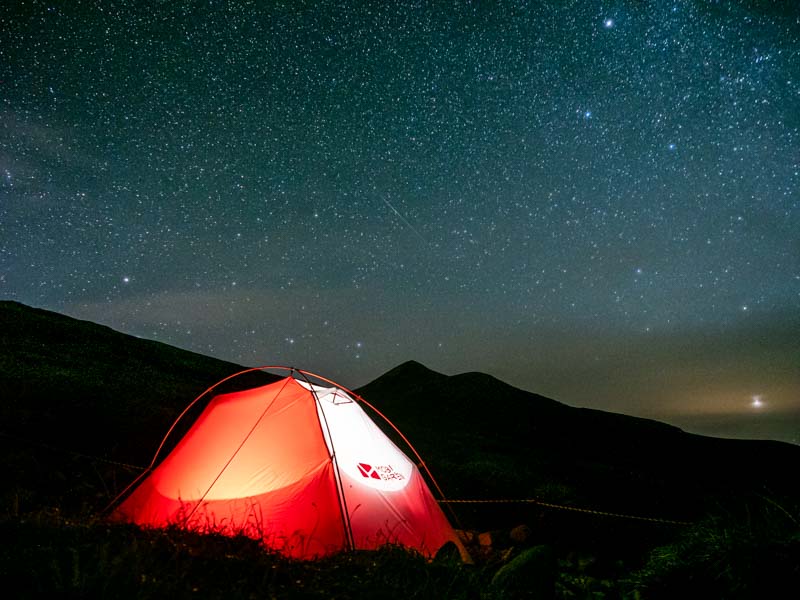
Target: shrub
748	551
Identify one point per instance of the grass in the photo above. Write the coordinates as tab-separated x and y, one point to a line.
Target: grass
55	546
748	550
740	550
49	555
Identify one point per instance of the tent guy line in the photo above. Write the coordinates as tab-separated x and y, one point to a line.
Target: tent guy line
590	511
447	501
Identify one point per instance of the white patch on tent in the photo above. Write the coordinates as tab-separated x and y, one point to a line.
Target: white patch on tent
363	452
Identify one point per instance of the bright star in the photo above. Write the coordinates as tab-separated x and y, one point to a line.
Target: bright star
608	23
757	401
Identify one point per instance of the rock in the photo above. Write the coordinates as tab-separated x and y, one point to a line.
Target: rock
467	537
532	574
520	534
495	539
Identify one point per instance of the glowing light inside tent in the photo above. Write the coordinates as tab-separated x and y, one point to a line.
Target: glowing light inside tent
307	473
213	462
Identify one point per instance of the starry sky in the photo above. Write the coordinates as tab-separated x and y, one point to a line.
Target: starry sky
595	201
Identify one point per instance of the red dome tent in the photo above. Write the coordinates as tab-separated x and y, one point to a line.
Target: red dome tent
295	464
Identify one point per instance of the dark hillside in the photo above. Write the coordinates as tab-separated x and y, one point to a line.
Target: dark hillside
70	386
484	438
79	398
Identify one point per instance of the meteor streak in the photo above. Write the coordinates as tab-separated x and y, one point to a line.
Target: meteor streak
404	220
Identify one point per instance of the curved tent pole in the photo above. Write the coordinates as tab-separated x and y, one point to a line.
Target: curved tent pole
345	514
149	467
241	444
306	375
421	463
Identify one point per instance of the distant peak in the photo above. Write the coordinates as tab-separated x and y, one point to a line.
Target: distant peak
411	366
410	370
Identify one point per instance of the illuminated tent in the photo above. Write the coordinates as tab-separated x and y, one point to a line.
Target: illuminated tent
297	465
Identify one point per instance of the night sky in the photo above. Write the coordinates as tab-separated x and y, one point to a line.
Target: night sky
597	202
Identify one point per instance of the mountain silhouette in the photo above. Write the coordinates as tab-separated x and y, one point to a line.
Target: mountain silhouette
489	438
83	406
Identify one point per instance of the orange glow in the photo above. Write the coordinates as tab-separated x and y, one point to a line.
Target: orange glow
300	467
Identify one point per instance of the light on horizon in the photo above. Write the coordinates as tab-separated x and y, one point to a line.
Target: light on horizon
757	401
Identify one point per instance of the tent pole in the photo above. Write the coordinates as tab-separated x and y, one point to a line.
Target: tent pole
348	530
323	425
420	463
175	424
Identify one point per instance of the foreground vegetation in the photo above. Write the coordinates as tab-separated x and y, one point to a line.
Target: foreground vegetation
752	551
46	555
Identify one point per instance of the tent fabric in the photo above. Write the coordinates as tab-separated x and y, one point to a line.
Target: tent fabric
299	466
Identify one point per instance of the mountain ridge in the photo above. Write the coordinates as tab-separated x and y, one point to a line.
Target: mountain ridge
481	437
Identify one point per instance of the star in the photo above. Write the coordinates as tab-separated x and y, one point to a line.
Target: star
460	187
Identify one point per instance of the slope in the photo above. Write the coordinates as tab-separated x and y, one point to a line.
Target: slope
81	401
72	390
486	439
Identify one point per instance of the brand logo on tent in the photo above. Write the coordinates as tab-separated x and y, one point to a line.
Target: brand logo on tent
382	472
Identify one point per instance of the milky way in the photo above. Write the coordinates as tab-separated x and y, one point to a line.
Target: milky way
598	202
